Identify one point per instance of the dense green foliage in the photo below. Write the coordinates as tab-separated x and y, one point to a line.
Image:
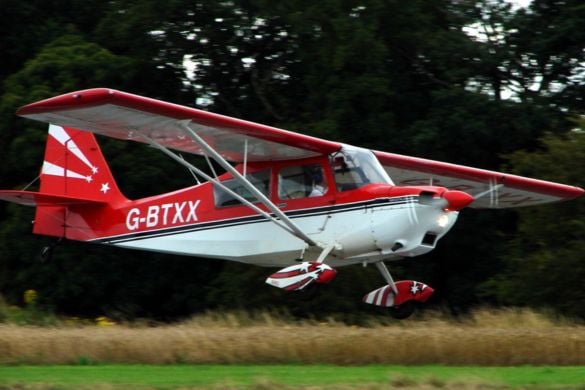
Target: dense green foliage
545	259
406	77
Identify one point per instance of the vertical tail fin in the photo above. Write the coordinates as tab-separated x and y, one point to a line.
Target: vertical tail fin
74	166
76	186
75	170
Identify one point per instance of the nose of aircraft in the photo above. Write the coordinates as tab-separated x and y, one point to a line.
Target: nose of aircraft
457	200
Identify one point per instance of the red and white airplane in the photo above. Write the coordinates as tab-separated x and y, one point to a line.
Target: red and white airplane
286	199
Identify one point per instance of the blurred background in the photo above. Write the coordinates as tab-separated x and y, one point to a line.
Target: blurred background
492	84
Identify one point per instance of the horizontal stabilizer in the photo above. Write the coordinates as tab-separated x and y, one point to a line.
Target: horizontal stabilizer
30	198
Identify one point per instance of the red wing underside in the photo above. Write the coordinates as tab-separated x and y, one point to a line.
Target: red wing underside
130	117
491	189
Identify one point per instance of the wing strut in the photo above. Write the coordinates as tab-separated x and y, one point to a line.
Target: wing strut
243	181
218	183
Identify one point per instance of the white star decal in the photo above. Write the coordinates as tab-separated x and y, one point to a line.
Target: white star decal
89	179
304	267
94	170
105	188
414	288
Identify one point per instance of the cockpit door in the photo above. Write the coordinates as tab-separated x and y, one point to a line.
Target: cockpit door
306	190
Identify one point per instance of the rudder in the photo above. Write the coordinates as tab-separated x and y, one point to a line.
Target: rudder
75	166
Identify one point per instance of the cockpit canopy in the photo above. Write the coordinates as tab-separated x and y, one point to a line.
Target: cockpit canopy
355	167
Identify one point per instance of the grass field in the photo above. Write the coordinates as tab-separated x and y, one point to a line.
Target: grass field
504	338
289	376
487	350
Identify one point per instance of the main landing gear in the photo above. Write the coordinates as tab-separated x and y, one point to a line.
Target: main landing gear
401	298
306	277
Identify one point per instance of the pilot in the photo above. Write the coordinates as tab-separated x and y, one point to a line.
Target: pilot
319	187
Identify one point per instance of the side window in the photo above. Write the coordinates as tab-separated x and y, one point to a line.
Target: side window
301	182
260	180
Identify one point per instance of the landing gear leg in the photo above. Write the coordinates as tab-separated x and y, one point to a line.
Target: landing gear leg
386	275
404	310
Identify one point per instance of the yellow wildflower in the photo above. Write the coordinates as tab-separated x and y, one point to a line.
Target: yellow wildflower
104	321
30	296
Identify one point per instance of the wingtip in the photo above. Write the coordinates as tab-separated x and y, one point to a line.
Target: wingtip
65	101
579	192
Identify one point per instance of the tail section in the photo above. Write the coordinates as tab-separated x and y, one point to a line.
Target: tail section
76	184
74	166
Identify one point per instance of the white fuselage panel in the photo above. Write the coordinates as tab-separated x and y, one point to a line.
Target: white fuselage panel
363	232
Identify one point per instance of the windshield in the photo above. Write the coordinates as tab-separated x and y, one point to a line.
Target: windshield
355	167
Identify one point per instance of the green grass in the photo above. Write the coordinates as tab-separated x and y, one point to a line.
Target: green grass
171	376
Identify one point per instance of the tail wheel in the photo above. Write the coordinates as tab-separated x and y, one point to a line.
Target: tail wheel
47	251
46	254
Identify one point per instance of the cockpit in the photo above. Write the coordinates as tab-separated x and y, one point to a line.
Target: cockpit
351	168
355	167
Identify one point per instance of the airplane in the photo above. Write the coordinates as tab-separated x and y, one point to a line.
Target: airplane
288	200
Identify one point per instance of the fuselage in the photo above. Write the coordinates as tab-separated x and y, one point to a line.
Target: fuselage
332	202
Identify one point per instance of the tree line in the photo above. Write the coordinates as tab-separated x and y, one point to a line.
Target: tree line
480	83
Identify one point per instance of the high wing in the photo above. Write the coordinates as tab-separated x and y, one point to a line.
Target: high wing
489	188
129	117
